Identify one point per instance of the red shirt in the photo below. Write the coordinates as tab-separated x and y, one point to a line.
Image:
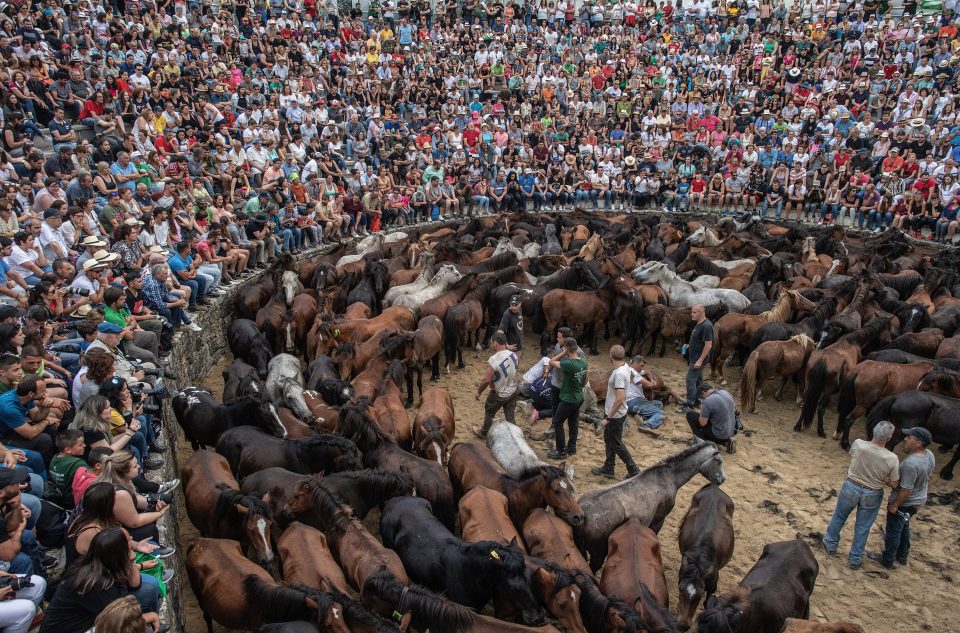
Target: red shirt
698	185
925	186
471	136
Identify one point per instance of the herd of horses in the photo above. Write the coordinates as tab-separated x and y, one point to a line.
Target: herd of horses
322	507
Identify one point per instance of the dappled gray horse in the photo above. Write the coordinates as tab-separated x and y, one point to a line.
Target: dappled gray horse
649	496
511	451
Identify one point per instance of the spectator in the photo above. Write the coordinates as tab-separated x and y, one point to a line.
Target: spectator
124	615
637	404
131	509
17	428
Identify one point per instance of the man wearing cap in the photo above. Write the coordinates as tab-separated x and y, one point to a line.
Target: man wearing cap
872	467
511	325
907	498
51	240
109	337
18	542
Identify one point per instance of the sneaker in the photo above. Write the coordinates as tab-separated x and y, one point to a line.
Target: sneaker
854	566
152	463
648	430
609	474
193	327
167	487
164	552
555	454
877	557
684	409
731	447
571	451
480	432
830	552
631	474
167	575
48	562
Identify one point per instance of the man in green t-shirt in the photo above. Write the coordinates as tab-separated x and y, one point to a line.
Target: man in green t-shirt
66	463
573	372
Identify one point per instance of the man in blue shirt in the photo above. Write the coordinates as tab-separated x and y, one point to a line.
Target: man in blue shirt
15	427
182	266
125	172
527	182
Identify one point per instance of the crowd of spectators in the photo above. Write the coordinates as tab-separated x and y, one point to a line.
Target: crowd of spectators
154	153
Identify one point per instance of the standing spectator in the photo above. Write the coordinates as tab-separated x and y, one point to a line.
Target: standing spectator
698	354
615	413
872	467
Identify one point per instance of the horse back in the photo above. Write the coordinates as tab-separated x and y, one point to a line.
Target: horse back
551	538
215	568
633	557
471	464
484	517
307	558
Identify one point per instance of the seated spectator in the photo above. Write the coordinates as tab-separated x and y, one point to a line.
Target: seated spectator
138	343
16	426
163	301
124	615
18	608
126	416
19	551
106	572
131	509
65	464
97	367
84	478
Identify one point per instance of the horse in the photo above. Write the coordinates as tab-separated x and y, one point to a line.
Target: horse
484	517
926	342
421	282
204	420
810	326
358	553
218	508
938	414
551	538
434	426
683	294
427	342
248	343
575	307
386	366
733	330
249	449
253	296
827	368
469	573
327	335
389	410
869	382
793	625
649	496
307	559
324	376
366	489
774	358
603	614
668	323
706	541
285	385
446	276
215	567
275	603
373	285
303	312
462	322
427	611
472	465
240	380
777	587
633	573
380	451
374	245
898	356
511	451
949	348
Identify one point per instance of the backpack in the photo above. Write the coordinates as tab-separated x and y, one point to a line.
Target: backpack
52	524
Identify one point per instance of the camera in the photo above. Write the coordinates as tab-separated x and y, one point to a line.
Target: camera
83	292
15	582
136	393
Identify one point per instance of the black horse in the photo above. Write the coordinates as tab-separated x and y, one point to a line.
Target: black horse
248	449
239	381
470	573
601	613
248	343
373	285
323	376
938	414
811	326
363	490
204	420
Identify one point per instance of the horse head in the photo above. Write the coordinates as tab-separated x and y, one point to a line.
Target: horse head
711	465
255	516
510	566
560	594
722	614
432	442
559	494
692	582
290	285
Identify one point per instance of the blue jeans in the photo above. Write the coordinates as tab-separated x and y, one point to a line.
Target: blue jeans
32	503
693	381
198	288
35	463
287	238
148	594
896	544
777	209
867	503
650	410
22	563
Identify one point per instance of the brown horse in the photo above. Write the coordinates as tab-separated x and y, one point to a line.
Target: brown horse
633	572
326	335
461	323
358	553
793	625
215	568
828	367
434	427
365	351
949	348
869	382
253	296
551	538
735	329
303	312
774	358
579	307
218	509
945	382
924	343
471	464
290	608
307	559
706	545
274	320
427	343
438	306
484	517
370	382
391	415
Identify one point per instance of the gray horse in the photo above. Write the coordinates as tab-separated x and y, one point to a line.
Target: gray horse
511	451
552	245
649	496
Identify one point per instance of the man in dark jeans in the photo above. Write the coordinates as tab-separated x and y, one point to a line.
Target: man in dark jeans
717	420
573	373
908	498
501	377
615	410
511	325
698	355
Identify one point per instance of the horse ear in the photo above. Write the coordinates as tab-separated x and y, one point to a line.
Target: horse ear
324	585
513	542
266	497
310	602
615	621
405	621
241	509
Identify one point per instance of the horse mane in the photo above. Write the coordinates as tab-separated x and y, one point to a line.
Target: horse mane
354	423
502	260
867	332
823	312
396	371
941	377
721	613
381	480
903	285
563	577
594	607
433	430
707	267
229	498
680	254
780	310
335	512
676	458
505	274
803	340
549	472
280	603
323	439
394	345
429	610
653	605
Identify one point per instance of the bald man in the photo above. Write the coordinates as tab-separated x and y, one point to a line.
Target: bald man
698	355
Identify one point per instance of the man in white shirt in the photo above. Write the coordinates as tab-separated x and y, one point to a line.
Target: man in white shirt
51	240
615	410
501	377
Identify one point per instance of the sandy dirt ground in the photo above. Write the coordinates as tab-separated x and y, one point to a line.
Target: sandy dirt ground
784	485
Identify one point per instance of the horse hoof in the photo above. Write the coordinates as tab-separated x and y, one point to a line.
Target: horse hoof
836	435
946	474
797	428
759	397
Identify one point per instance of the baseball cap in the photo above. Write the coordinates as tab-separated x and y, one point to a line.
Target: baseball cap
7	311
51	213
109	328
920	433
515	300
15	475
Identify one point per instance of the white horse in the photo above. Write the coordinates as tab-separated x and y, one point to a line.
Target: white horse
416	285
290	282
511	451
389	238
372	244
704	237
705	281
733	263
285	385
682	293
445	277
506	246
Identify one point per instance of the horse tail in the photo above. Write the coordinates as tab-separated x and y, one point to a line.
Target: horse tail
451	337
848	400
635	329
748	383
539	318
816	378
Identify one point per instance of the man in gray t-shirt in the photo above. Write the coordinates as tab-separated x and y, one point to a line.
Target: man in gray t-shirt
716	421
908	498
